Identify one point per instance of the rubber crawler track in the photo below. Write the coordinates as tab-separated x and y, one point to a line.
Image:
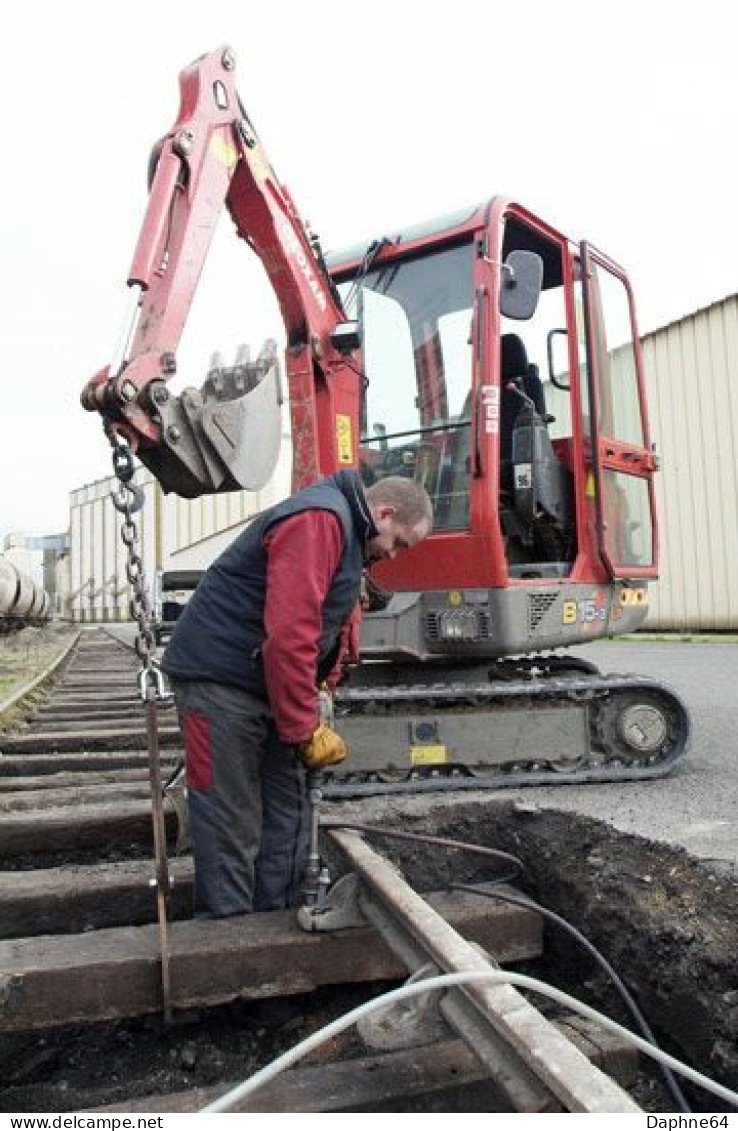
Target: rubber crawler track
607	761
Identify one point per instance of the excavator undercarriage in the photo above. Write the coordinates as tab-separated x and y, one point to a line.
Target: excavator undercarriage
434	705
534	721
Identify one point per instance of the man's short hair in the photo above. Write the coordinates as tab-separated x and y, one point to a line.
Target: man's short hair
411	501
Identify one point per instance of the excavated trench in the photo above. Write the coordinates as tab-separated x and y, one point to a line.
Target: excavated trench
664	921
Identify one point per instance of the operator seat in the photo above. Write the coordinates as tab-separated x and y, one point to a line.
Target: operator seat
514	366
536	508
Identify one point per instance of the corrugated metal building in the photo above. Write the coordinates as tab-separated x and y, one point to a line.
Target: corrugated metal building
194	531
97	586
692	373
692	369
173	533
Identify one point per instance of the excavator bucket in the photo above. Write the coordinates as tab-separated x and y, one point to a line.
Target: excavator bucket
225	436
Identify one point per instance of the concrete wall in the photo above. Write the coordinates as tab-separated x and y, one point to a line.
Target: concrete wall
61	603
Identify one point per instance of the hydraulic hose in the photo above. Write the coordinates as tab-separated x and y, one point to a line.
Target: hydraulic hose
635	1012
445	981
439	841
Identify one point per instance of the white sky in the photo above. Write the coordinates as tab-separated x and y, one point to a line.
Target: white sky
614	122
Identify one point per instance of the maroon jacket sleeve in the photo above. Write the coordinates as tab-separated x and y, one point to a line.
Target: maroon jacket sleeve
303	552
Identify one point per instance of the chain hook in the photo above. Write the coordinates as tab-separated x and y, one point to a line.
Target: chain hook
129	498
152	676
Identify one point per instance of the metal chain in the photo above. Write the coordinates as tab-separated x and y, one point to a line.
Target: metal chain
127	500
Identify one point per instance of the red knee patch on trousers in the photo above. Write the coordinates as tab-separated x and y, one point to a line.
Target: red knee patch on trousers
199	773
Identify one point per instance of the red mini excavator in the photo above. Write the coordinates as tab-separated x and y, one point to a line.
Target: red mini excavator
483	354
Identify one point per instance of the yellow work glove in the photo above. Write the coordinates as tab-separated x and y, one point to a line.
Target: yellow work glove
323	748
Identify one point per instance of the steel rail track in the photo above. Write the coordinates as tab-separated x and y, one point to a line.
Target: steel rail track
535	1067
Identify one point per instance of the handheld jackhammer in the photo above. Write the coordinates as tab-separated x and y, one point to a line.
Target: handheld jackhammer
317	878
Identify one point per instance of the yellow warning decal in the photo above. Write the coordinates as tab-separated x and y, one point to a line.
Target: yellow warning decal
258	163
344	445
428	755
589	487
221	148
569	612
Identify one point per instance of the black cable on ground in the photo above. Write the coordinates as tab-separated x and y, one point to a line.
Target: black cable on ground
524	901
440	841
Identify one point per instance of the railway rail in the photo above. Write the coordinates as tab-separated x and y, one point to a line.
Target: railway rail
79	944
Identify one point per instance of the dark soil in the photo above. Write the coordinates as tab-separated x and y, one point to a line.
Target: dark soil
81	1068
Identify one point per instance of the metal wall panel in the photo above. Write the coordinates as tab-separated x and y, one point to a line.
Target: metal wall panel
98	585
173	533
692	375
195	531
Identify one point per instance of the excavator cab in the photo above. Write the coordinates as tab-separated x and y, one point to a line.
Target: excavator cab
521	412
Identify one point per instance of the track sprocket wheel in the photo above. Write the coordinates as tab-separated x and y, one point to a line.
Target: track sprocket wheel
635	727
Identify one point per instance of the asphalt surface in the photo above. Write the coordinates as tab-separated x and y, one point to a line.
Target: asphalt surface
694	808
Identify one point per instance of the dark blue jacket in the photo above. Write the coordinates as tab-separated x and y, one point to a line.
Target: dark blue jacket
219	635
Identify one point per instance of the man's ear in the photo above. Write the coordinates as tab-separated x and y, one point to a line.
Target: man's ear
386	510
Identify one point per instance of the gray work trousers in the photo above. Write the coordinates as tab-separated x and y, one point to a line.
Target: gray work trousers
247	800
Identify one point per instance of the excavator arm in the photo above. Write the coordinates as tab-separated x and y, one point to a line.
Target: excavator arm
225	436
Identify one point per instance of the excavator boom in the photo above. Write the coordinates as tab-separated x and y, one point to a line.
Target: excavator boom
226	435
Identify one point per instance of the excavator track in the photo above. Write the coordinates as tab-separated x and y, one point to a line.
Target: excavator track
553	730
